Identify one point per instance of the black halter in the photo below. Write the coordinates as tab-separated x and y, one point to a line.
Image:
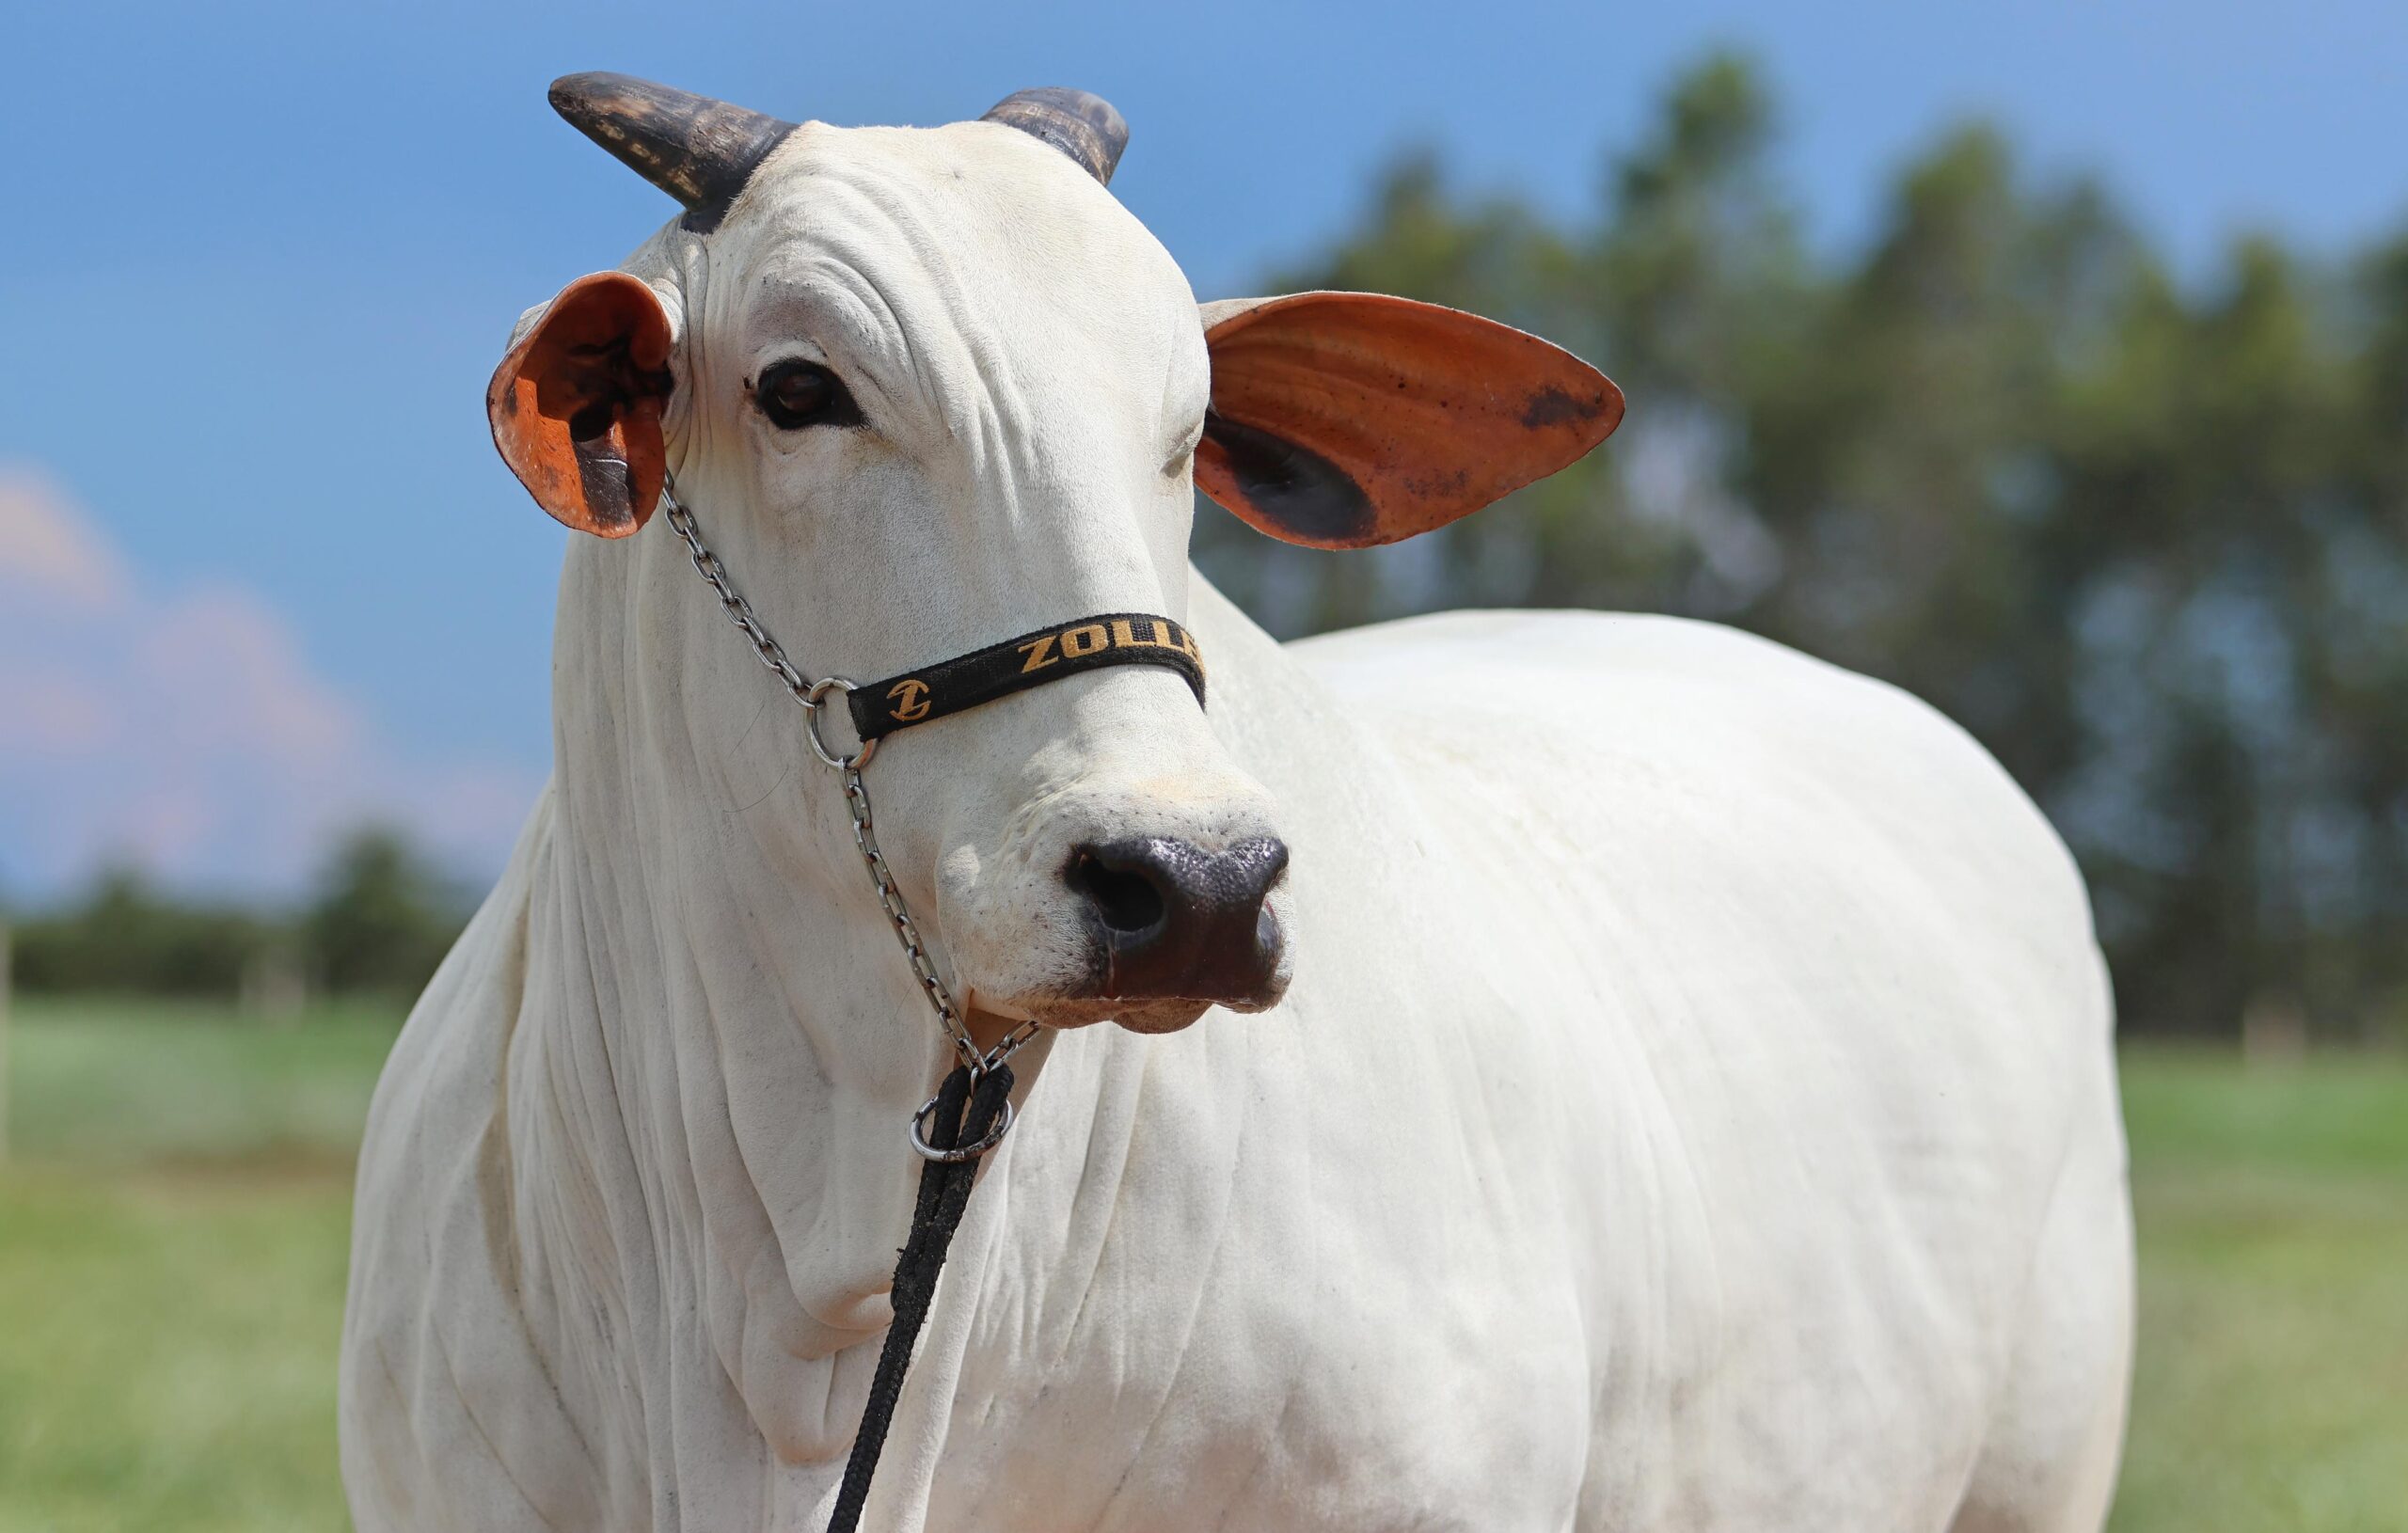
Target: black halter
1066	649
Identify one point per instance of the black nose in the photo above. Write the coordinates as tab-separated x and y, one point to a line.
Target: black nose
1181	923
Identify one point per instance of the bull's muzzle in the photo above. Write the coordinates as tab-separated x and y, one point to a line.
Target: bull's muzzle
1175	922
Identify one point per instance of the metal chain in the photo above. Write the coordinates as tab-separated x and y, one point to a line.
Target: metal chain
907	931
740	611
813	696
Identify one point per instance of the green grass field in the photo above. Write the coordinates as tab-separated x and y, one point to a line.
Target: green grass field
172	1236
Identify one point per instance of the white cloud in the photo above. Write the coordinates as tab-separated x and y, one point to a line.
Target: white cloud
45	548
187	731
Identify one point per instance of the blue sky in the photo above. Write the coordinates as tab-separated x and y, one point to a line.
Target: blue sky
257	261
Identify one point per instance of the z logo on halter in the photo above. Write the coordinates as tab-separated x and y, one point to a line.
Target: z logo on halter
1015	665
910	696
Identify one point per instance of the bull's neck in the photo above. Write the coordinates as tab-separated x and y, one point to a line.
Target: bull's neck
714	976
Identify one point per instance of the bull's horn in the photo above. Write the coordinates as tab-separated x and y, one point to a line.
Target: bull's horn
1082	126
699	150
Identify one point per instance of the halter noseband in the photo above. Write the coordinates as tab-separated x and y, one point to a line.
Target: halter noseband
1015	665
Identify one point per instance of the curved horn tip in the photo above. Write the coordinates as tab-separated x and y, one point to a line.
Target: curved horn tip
1079	123
699	149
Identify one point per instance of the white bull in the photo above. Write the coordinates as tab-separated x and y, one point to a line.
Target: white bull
1691	1106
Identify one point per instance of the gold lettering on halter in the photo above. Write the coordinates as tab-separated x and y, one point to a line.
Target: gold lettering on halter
910	698
1179	638
1077	644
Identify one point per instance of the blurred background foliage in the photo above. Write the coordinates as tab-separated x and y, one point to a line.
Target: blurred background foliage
2147	539
378	922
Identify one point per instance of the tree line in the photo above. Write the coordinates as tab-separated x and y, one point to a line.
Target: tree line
2147	539
377	921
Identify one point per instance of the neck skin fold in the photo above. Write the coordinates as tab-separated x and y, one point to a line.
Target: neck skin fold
719	1033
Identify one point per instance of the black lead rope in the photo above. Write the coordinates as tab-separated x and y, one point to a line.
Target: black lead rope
963	1120
945	1193
879	709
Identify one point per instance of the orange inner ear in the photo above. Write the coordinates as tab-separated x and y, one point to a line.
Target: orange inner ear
1346	419
575	406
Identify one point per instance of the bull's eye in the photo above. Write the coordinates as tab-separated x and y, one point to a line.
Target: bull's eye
797	394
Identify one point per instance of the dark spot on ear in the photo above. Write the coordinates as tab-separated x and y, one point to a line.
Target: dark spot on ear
1294	486
603	474
593	421
1552	406
1440	485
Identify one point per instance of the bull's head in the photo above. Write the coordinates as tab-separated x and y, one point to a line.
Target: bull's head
933	388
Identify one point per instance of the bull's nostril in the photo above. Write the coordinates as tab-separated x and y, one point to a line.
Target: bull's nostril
1128	903
1171	919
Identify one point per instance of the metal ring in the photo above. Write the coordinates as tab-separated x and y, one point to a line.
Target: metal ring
812	698
961	1152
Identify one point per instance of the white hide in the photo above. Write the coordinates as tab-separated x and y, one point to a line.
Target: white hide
1692	1109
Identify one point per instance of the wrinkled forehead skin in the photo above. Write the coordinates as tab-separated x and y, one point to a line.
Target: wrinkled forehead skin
1029	358
977	240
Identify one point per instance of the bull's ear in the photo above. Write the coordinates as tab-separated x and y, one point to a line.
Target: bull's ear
575	406
1345	419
